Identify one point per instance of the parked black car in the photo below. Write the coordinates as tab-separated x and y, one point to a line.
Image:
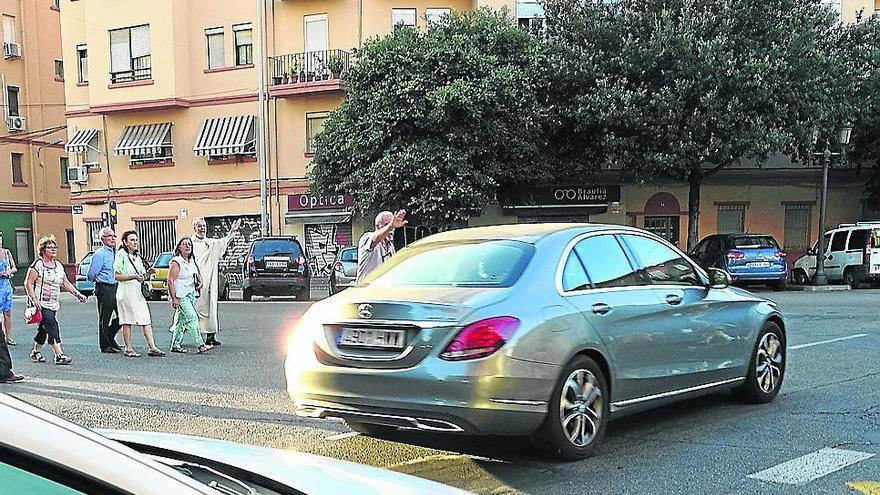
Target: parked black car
275	266
749	258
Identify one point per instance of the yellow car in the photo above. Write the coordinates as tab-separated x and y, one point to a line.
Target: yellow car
158	281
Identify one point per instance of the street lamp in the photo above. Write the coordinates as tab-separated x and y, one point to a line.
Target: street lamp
843	135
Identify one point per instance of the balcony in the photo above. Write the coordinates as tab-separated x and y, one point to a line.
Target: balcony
141	70
308	72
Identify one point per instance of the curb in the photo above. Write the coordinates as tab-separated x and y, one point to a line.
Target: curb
818	288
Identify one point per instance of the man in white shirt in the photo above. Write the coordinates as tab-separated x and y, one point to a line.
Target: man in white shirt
377	246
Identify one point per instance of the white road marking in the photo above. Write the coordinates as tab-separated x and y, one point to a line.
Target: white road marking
811	466
342	436
811	344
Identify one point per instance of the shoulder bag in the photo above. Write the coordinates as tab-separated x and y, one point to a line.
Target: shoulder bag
146	290
31	315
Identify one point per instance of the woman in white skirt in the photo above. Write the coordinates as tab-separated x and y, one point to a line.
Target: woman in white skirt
130	303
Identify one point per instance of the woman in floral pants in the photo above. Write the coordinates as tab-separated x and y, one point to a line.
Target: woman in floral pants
183	281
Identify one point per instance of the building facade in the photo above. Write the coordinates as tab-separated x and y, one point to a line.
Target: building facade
34	188
162	105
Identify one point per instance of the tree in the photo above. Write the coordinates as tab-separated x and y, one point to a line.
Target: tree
437	121
692	86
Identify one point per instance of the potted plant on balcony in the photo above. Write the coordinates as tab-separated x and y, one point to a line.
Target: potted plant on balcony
291	72
336	65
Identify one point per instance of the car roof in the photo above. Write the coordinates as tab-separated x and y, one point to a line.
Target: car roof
525	232
747	234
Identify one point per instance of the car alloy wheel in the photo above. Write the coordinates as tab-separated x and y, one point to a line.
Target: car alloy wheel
766	368
580	407
577	413
768	363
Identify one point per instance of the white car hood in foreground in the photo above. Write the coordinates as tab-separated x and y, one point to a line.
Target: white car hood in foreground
311	474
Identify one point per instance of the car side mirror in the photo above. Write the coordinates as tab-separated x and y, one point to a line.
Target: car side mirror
719	278
241	259
811	252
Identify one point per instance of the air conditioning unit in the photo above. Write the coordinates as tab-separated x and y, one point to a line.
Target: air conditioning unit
11	49
15	123
78	174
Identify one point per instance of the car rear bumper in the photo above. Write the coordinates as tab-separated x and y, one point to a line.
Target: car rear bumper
496	395
773	275
278	286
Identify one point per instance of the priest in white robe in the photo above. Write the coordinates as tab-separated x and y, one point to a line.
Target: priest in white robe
207	253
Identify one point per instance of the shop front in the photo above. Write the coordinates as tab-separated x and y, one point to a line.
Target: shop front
552	203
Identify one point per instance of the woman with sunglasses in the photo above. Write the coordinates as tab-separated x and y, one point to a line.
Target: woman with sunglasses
46	274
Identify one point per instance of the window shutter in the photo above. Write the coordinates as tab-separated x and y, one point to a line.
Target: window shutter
140	41
9	29
216	55
120	50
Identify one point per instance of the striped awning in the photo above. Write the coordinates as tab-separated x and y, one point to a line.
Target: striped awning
144	139
80	141
226	136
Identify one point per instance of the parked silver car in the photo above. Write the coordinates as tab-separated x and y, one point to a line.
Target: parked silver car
547	329
77	460
344	269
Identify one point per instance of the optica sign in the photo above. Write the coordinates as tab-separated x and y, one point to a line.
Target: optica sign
299	202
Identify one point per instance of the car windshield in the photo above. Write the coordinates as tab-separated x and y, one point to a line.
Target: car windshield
276	247
756	241
495	263
349	255
164	260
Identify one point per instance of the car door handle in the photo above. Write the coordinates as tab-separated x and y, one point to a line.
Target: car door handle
601	308
673	299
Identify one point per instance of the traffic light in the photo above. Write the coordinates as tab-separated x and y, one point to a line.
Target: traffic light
105	219
113	215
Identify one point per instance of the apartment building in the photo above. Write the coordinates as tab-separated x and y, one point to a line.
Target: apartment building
162	100
34	187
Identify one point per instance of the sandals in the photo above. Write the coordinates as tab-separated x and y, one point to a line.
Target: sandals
155	353
130	353
205	348
10	342
63	359
37	357
181	350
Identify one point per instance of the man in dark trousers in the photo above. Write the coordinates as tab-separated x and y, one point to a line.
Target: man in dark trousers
6	374
101	272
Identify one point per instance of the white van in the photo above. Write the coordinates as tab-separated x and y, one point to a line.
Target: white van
852	256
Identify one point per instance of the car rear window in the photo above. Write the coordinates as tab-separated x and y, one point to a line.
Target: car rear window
349	255
494	263
753	242
858	239
276	247
164	260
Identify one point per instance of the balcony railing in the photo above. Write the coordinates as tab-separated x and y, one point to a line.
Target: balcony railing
141	68
308	66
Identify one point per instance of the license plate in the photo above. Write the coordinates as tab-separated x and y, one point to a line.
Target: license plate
759	264
393	339
276	264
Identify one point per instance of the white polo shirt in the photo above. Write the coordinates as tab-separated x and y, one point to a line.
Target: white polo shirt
370	258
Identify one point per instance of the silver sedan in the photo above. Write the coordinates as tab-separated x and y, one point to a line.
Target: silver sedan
545	330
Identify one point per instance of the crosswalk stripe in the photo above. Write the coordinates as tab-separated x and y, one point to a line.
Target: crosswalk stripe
811	466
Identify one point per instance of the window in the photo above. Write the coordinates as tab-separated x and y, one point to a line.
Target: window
82	63
17	175
796	233
858	239
156	236
573	275
530	16
838	241
18	480
751	242
71	248
731	218
403	17
59	69
606	263
23	247
314	125
93	236
64	162
661	264
434	17
130	54
244	44
12	101
214	43
56	4
9	35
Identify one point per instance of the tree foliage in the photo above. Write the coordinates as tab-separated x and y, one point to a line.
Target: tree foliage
688	87
436	121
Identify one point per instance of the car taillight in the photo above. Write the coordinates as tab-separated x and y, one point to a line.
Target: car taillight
869	244
736	255
480	339
779	254
252	264
338	267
